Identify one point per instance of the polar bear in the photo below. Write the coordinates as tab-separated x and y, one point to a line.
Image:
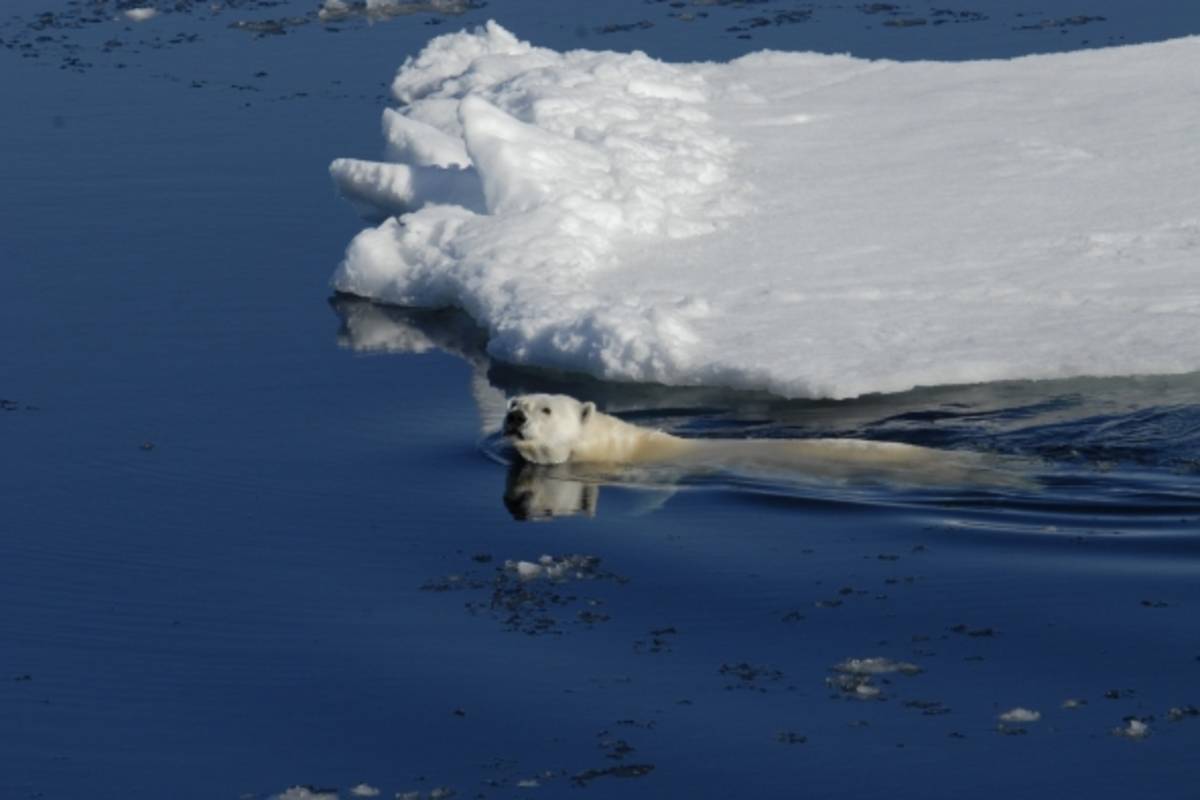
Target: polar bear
558	429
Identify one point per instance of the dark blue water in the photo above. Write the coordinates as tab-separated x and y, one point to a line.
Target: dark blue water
251	539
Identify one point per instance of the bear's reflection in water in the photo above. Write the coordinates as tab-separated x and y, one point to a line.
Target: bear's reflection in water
534	491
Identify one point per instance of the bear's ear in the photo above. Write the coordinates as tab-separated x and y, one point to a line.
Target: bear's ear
585	413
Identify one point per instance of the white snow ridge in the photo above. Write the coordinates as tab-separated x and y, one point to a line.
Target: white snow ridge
813	225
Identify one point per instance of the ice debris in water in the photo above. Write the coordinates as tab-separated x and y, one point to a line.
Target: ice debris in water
364	790
336	10
140	14
876	666
814	225
855	676
1020	714
572	566
1132	729
306	793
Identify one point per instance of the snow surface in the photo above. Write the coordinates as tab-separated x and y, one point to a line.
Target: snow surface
813	225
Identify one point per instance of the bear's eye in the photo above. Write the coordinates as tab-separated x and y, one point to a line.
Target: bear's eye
545	411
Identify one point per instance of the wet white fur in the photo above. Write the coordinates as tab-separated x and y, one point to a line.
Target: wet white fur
560	429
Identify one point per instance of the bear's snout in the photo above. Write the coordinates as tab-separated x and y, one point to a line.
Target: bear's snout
513	421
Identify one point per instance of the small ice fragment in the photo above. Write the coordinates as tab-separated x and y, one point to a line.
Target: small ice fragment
1176	714
528	783
876	666
140	14
1073	702
305	793
364	790
1019	714
1133	729
527	570
866	690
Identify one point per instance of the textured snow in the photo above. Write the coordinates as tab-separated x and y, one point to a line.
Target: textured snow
813	225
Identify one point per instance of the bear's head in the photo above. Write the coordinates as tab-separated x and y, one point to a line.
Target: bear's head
545	427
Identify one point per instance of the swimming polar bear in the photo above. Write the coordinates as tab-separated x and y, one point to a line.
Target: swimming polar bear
558	429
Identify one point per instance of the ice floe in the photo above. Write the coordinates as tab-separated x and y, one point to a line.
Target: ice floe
813	225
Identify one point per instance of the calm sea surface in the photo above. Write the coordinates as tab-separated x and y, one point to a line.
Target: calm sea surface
253	537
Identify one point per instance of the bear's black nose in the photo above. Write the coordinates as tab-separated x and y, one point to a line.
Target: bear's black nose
513	421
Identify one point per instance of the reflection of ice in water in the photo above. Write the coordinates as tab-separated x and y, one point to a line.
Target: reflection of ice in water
371	328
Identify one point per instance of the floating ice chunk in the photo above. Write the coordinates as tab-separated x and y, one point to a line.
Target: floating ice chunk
856	675
140	14
1020	714
876	666
306	793
527	570
1132	729
811	225
364	790
556	568
334	10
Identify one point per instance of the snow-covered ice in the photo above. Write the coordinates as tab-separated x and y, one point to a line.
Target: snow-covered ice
814	225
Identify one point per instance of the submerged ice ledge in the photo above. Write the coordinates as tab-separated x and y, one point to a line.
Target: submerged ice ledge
812	225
